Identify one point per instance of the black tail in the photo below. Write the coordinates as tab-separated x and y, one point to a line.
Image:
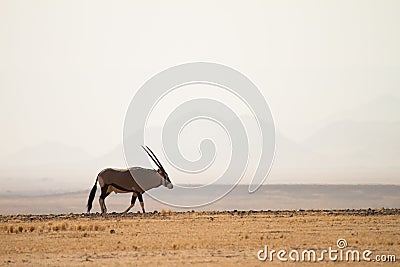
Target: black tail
91	196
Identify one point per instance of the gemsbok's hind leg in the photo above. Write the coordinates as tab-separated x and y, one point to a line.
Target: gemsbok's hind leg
102	199
141	202
133	200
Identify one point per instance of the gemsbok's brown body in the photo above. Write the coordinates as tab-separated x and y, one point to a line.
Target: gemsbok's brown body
134	180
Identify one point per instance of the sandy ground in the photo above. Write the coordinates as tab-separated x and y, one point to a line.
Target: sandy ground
230	238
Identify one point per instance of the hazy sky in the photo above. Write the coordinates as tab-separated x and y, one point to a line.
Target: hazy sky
68	69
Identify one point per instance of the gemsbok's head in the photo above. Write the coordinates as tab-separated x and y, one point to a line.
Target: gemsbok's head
161	171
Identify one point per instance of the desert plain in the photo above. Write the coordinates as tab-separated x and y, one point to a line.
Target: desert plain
208	238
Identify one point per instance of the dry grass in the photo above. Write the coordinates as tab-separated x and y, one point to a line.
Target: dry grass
169	238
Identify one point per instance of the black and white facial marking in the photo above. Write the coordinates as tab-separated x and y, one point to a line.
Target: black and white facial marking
161	171
165	181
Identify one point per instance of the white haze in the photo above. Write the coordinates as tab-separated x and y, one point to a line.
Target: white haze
69	69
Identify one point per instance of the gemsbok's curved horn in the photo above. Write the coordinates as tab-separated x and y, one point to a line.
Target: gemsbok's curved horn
159	163
152	157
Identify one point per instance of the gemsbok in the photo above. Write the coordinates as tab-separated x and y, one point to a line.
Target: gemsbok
135	180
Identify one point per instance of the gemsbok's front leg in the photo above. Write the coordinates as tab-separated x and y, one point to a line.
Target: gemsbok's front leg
133	200
141	202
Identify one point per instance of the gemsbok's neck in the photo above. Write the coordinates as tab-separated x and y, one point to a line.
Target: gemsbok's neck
146	178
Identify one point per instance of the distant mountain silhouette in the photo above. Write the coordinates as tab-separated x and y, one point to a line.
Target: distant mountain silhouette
362	142
385	108
351	137
352	146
